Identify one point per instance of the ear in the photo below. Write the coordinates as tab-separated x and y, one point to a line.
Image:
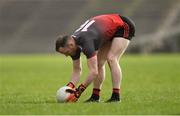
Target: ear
60	49
71	43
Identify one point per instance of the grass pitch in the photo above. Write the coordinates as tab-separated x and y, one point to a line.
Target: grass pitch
28	83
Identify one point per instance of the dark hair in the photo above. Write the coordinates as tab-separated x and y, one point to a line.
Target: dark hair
61	41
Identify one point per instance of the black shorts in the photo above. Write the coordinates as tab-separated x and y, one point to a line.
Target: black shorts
128	30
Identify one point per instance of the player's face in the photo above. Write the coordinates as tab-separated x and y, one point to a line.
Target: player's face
65	50
69	49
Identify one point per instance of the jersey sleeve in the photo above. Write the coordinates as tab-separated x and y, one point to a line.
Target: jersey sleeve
77	55
89	48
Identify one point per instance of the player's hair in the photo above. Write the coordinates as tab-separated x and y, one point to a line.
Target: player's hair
61	41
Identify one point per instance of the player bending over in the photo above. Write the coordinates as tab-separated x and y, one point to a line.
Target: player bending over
101	38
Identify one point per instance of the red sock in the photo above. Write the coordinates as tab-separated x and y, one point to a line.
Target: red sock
96	91
116	90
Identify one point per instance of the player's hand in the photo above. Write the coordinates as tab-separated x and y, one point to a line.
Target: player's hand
74	91
75	94
70	84
72	98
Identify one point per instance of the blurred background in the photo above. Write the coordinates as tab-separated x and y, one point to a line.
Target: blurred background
31	26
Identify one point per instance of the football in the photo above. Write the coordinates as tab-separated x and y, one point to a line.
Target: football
62	95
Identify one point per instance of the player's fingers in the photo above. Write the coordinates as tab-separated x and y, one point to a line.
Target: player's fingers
70	91
72	98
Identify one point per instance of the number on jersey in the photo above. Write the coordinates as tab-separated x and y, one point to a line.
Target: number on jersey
84	27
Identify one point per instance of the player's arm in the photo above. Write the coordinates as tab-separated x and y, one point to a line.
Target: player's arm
93	70
76	73
91	54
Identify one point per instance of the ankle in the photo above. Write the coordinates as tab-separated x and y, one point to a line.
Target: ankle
116	90
96	91
115	93
95	97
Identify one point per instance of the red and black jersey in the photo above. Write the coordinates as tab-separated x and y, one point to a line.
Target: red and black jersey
97	29
108	24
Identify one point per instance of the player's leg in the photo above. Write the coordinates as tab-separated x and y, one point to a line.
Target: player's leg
117	49
97	83
102	58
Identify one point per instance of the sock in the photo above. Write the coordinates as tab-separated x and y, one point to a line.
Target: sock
96	91
116	90
115	93
95	94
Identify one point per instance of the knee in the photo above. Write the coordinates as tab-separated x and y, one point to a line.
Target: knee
101	68
101	64
111	59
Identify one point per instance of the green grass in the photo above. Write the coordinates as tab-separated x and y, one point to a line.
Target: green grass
28	83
